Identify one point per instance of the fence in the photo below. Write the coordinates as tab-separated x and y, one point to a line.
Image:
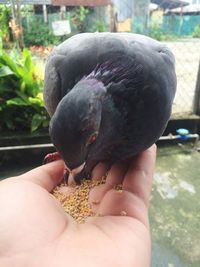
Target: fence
181	25
174	30
187	55
177	32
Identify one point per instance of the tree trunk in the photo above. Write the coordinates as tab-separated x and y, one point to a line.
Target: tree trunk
17	25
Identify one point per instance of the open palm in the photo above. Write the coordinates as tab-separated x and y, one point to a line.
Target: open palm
35	230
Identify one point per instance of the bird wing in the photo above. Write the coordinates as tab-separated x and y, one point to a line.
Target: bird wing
142	92
68	63
79	55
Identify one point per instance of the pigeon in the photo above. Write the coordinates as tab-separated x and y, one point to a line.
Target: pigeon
109	96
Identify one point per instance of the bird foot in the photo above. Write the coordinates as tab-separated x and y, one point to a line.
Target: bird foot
51	157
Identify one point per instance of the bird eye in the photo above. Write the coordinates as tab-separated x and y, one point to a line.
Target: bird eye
92	138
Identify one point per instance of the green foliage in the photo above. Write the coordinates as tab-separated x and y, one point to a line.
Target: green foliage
39	33
79	17
1	39
196	33
99	26
5	16
156	32
21	103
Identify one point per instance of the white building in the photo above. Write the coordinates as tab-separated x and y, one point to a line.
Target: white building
193	2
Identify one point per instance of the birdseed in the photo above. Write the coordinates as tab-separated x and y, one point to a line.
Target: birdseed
76	201
123	213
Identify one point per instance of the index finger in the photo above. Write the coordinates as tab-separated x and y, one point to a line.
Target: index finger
138	179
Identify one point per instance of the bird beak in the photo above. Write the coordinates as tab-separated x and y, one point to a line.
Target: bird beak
73	173
76	170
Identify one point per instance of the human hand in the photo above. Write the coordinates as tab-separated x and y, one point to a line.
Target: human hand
36	232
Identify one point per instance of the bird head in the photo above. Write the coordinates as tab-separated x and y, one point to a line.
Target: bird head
75	124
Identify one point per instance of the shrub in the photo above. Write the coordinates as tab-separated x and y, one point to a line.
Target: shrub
196	33
156	32
5	16
99	26
79	17
21	103
39	33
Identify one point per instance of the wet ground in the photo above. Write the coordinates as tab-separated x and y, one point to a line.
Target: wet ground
174	209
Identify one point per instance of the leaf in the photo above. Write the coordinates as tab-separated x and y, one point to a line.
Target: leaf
27	60
1	40
22	95
20	70
35	101
21	86
45	123
40	96
5	71
38	100
17	102
36	122
7	61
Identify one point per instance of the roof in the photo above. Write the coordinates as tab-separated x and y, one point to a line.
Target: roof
187	9
80	2
63	2
29	2
169	4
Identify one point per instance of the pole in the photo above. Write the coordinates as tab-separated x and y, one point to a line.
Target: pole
44	7
197	94
62	12
112	23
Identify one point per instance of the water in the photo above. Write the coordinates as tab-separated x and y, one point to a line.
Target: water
174	209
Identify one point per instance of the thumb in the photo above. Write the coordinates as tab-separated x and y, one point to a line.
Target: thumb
47	176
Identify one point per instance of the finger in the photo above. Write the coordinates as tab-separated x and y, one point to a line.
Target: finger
100	170
123	203
132	200
96	195
47	176
114	177
116	174
138	179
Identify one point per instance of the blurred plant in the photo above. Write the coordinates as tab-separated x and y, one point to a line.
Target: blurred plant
99	26
1	40
38	33
21	103
79	18
156	32
41	51
5	16
196	33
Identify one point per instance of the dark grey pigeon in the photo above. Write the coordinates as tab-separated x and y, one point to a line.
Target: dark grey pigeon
109	96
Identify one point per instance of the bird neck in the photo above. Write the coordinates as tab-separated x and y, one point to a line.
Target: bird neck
84	103
90	87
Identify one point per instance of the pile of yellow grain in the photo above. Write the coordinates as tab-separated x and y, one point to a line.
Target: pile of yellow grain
76	202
